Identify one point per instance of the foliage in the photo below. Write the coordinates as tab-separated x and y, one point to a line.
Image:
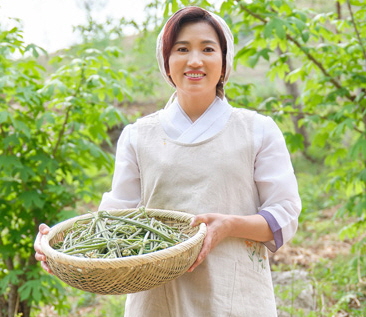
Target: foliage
321	59
52	126
51	130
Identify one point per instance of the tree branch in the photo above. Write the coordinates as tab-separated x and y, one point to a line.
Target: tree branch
356	29
62	131
292	113
257	16
293	90
308	55
63	128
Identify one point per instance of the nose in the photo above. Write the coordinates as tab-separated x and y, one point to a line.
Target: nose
195	59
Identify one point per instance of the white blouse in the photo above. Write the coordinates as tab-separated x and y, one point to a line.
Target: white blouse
273	171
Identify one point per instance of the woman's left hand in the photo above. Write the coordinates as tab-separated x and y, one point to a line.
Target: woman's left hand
218	228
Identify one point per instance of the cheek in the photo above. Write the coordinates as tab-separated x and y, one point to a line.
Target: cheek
219	67
173	62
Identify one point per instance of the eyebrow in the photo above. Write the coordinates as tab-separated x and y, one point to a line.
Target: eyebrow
203	42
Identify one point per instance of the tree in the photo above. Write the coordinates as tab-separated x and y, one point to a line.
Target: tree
321	58
51	130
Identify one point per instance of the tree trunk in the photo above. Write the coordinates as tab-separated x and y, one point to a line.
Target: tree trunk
24	308
3	306
12	300
13	291
339	10
292	89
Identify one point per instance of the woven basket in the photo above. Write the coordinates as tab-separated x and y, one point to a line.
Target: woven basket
128	274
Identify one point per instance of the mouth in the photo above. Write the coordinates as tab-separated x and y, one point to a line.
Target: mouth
194	75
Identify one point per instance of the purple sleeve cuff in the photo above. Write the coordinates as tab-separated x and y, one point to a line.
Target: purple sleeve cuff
276	230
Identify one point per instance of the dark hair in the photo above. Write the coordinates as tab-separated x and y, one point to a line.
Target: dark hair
192	15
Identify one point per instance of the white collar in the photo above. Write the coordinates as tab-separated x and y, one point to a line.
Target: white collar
178	126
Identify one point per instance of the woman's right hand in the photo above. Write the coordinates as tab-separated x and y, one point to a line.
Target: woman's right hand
43	229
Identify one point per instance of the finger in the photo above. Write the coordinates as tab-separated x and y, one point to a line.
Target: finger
37	243
202	255
43	228
40	256
194	265
198	261
46	267
197	220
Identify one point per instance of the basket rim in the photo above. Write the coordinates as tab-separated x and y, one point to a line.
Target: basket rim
129	261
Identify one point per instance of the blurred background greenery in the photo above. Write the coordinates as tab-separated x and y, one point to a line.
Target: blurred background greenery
301	62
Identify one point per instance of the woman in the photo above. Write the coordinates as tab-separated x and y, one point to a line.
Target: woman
230	167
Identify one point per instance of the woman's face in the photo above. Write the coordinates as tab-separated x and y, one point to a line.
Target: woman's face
195	62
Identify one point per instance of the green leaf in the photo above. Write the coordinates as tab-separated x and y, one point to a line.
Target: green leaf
268	29
265	53
26	172
21	127
175	6
320	139
305	35
334	158
295	75
31	291
4	116
31	199
114	50
10	162
10	278
358	149
280	29
276	25
247	56
295	141
46	117
252	60
353	230
300	25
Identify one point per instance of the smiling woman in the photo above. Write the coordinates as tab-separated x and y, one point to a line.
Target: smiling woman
207	22
196	68
229	167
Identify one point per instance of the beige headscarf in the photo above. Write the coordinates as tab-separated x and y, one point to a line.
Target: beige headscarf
229	55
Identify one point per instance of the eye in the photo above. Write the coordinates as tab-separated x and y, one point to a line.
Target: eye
182	49
209	49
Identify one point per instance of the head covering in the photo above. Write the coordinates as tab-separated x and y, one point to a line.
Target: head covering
229	43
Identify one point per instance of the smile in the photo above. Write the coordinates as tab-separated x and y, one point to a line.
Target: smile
195	75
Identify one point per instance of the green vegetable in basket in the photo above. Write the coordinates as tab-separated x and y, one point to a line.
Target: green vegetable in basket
107	236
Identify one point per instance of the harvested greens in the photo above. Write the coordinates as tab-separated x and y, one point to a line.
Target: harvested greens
107	236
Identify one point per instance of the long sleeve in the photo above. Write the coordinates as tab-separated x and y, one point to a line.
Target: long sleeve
277	185
126	190
280	203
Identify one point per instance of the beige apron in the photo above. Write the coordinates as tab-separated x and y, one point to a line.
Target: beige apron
215	175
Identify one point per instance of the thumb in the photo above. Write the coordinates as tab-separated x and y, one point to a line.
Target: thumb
197	220
43	228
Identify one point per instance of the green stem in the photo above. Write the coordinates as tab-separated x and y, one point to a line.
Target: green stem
356	29
142	225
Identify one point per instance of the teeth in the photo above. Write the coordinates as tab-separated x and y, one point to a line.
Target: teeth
195	75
